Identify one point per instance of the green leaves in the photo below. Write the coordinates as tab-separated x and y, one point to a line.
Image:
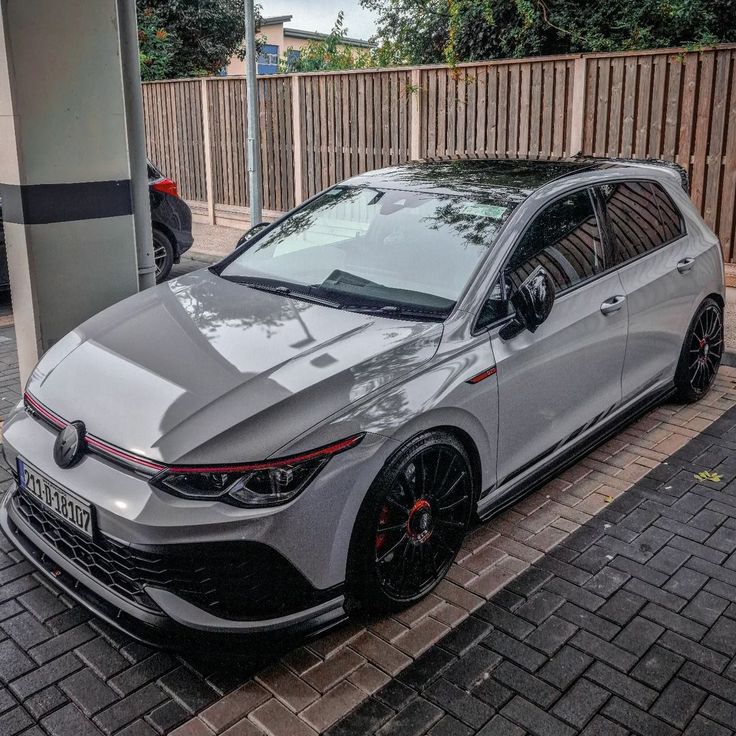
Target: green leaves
453	31
329	54
189	38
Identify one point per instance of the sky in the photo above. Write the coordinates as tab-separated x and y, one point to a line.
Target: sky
319	15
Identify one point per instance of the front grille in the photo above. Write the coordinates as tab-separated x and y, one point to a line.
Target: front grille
238	580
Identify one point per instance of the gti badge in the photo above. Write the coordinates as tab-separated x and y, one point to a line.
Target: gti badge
70	445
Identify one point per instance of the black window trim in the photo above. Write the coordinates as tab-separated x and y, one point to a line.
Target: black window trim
606	238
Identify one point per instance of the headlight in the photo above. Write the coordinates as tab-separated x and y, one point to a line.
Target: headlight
267	483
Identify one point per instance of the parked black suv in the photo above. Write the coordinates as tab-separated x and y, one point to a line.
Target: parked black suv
171	220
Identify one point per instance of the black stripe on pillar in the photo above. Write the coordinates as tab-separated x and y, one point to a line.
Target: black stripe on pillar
41	204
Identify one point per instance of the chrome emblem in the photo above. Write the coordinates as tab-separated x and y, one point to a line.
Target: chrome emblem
70	445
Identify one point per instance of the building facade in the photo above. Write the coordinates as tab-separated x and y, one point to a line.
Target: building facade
283	44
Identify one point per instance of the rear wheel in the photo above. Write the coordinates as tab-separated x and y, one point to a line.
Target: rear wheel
163	255
411	524
701	353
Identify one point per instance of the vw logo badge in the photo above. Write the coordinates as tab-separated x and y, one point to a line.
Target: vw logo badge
69	446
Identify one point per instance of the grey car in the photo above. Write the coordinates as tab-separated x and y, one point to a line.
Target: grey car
308	428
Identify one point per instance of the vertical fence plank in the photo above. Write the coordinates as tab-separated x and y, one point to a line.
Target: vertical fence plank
296	122
714	156
209	186
727	221
702	128
577	113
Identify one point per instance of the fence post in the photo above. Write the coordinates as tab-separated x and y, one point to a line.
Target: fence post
208	181
578	107
296	137
415	139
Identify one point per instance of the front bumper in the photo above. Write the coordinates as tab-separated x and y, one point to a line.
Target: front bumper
159	616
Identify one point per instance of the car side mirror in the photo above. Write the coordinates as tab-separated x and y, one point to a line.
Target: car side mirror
532	303
251	233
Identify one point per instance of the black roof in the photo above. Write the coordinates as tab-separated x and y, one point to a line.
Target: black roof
510	179
472	175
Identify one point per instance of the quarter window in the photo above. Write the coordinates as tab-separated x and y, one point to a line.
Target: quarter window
640	216
672	227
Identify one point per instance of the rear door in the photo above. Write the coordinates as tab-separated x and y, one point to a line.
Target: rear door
658	265
564	378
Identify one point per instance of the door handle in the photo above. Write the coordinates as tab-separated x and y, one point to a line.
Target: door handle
613	304
685	265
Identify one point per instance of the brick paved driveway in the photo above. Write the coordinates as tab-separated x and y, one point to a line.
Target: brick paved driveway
604	599
627	626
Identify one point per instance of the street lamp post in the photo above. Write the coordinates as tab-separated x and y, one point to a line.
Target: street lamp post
253	152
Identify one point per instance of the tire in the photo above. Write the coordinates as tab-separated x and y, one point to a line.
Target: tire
701	353
163	255
404	539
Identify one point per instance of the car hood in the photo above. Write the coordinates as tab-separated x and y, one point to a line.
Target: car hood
203	370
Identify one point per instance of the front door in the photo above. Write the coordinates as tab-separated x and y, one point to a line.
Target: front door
565	377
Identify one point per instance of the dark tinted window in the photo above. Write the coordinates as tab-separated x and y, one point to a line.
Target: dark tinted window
672	227
641	217
564	238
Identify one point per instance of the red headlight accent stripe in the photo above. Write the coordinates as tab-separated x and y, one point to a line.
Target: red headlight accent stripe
129	458
483	375
326	451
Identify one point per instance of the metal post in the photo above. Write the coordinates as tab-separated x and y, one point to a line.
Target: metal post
254	143
128	32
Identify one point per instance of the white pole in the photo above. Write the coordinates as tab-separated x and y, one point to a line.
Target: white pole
254	143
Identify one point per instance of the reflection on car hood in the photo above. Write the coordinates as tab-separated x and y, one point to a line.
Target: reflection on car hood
204	370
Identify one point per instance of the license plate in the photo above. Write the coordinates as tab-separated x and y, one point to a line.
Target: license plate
58	500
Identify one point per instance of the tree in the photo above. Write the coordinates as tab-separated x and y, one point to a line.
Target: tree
328	54
188	38
157	46
434	31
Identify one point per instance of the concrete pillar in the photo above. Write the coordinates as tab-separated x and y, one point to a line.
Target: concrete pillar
71	164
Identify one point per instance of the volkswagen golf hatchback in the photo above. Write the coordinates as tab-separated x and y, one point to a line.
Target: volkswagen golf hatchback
307	428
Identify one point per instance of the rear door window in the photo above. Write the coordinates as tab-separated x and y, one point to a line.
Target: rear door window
640	217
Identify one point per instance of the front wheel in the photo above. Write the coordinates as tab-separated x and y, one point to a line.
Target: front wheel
701	353
411	524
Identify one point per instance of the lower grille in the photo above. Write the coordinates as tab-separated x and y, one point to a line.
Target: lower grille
237	580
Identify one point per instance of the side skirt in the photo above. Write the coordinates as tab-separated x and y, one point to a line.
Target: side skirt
549	469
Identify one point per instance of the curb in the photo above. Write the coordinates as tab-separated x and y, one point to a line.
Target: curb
194	255
729	358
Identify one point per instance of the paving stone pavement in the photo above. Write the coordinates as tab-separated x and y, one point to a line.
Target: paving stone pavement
552	607
626	626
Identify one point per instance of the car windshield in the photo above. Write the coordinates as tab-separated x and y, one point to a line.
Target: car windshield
368	248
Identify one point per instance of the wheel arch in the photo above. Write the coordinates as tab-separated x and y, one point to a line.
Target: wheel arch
166	231
716	297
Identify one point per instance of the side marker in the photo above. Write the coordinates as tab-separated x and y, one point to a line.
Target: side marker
482	376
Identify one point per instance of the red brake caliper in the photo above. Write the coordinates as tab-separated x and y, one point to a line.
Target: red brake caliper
382	520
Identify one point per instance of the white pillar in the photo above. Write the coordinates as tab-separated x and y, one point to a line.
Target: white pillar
66	165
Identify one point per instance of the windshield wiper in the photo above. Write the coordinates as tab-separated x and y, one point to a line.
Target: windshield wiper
283	290
396	311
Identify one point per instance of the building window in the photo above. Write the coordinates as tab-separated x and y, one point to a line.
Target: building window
268	61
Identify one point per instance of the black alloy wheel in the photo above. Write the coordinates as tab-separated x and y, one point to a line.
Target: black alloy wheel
701	353
414	521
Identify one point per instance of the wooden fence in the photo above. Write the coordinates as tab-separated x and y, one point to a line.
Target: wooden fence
320	128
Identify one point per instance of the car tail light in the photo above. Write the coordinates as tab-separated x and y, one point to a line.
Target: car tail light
268	483
166	186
